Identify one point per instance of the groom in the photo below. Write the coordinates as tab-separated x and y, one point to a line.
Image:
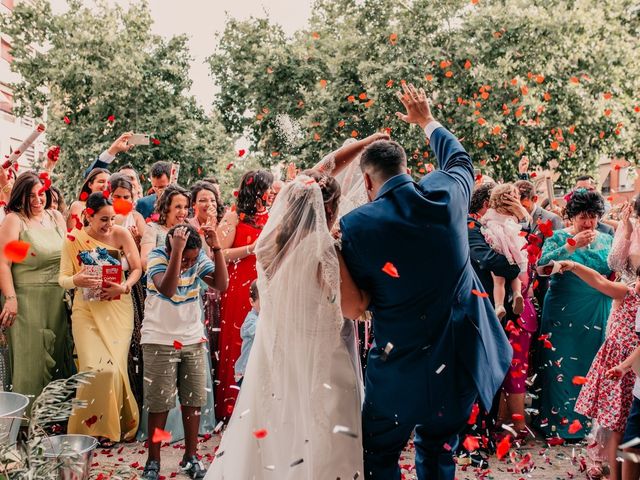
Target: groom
438	344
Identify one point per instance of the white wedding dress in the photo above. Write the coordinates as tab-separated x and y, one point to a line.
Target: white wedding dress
298	414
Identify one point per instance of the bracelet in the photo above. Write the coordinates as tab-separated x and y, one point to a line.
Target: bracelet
215	250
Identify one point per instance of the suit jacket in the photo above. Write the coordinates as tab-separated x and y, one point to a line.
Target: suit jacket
146	205
441	339
543	215
604	228
486	260
97	163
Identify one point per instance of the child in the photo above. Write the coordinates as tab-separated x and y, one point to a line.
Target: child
503	234
171	338
248	332
606	398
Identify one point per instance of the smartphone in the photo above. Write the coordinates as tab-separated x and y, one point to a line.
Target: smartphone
138	139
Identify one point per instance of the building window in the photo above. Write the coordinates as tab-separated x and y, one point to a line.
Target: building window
6	102
5	51
626	179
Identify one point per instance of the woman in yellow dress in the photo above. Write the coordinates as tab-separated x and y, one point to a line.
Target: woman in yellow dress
102	328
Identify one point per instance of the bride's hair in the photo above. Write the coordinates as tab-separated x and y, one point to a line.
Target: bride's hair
298	221
497	201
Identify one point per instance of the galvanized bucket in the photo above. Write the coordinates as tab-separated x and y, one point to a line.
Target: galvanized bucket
12	407
73	453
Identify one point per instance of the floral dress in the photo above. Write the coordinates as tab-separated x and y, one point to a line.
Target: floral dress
608	400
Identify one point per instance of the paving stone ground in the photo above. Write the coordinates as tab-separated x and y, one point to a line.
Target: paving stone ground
532	461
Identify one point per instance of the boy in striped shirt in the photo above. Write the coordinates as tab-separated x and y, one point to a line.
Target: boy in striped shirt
172	337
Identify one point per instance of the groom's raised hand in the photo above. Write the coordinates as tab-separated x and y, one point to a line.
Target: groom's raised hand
416	104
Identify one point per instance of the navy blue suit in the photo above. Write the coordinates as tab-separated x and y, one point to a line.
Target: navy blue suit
97	163
445	344
146	205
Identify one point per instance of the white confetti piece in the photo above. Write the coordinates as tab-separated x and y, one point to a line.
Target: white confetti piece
244	413
345	431
440	369
327	386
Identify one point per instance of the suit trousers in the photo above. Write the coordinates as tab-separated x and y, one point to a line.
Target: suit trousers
436	440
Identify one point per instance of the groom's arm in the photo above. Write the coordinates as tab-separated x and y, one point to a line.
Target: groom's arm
451	155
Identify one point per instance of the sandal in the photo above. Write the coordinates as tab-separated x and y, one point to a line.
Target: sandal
105	443
595	472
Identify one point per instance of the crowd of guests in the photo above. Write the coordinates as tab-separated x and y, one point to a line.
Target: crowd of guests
168	342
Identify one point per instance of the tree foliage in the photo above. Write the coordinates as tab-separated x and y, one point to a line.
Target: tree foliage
98	71
555	80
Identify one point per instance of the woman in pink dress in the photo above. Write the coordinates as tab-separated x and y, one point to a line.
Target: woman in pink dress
604	399
238	231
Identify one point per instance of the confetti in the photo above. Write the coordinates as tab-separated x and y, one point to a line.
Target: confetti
575	426
16	251
571	242
177	345
440	369
241	153
390	270
160	436
473	416
578	380
345	431
111	118
67	120
155	141
480	294
503	447
471	443
90	421
259	434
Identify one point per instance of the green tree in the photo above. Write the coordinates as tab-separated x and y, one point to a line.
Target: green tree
98	71
550	79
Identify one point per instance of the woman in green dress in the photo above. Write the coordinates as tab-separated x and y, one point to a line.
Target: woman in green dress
574	317
34	312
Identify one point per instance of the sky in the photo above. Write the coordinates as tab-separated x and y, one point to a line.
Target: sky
202	19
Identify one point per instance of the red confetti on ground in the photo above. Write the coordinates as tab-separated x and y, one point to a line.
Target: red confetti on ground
480	294
578	380
160	436
260	433
177	345
390	270
122	207
16	251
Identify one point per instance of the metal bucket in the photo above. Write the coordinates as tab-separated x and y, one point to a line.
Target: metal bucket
73	454
12	407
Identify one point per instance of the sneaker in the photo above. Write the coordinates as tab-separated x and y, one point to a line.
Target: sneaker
192	467
151	470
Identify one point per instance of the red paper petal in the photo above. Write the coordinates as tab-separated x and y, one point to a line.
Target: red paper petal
517	417
390	270
90	421
106	193
160	436
66	120
241	152
89	211
177	345
571	241
575	426
16	251
155	141
471	443
578	380
260	433
475	410
84	196
503	447
480	294
228	167
154	217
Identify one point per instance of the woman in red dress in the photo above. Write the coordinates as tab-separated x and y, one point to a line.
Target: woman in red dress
238	232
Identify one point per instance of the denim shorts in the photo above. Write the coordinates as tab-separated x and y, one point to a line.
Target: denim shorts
632	429
168	371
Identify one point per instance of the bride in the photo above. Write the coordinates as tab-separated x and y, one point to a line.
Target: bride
298	414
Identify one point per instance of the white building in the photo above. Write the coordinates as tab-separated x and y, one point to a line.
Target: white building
13	130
